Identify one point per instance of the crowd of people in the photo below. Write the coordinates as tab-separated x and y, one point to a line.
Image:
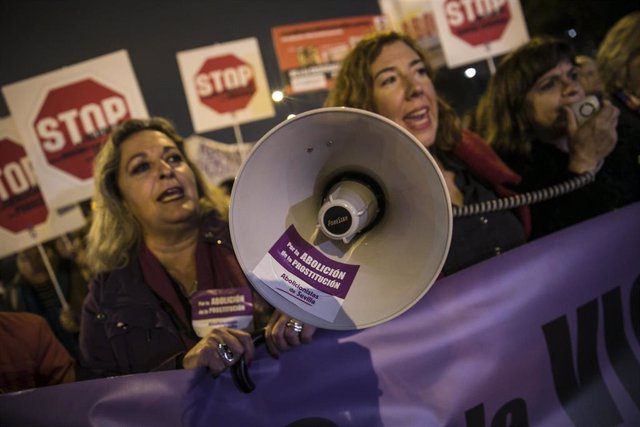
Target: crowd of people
121	298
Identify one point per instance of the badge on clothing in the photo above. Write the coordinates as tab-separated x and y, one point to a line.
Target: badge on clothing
217	308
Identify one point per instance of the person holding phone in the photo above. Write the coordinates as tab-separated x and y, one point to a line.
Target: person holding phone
528	115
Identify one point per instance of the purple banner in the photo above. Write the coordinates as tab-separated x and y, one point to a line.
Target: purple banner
547	334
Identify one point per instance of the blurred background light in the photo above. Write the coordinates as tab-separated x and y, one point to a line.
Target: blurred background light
277	96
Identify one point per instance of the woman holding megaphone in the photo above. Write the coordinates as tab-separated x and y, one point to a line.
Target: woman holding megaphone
536	116
387	73
167	290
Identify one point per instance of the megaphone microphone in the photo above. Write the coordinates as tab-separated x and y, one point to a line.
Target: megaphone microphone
340	218
352	205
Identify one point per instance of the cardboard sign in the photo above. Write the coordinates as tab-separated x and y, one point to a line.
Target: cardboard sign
219	161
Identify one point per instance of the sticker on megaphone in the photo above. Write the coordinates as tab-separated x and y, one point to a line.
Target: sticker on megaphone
297	271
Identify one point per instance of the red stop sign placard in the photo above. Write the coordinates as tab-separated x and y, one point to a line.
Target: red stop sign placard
478	22
21	203
74	121
225	83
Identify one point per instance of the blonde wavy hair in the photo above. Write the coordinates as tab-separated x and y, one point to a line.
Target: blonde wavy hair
353	86
114	234
620	45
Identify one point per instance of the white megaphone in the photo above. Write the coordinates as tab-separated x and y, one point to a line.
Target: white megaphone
340	218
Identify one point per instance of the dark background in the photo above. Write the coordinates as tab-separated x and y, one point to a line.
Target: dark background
38	36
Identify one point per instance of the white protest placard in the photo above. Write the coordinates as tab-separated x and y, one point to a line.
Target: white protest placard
25	219
225	84
474	30
219	161
64	116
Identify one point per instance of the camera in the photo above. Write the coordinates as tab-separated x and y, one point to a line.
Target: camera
586	108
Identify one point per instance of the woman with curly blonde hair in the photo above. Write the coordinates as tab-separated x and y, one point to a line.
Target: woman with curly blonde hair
159	246
106	254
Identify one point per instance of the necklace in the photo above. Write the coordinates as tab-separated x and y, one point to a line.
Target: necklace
189	291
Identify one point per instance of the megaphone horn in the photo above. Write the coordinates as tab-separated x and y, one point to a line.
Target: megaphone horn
340	218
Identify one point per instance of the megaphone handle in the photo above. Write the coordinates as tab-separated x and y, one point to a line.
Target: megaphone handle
239	371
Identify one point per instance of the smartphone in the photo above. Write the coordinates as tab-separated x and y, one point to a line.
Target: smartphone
586	108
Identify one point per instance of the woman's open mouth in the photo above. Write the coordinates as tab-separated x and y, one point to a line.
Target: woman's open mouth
171	194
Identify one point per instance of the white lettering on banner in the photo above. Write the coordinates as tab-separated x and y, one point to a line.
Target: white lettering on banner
316	265
463	11
315	276
222	309
233	299
92	119
18	176
220	81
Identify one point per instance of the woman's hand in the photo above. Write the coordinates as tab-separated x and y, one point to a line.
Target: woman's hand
592	142
282	332
221	348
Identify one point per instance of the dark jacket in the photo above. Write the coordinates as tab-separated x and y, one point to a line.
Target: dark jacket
621	169
482	176
74	288
133	325
617	183
548	166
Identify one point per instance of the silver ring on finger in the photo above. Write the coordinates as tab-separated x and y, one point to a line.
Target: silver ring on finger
225	353
296	325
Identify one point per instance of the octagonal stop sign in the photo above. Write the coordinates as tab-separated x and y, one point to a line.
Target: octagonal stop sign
74	121
478	22
225	83
21	203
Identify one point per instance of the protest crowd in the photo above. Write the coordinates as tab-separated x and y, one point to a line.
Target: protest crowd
121	290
